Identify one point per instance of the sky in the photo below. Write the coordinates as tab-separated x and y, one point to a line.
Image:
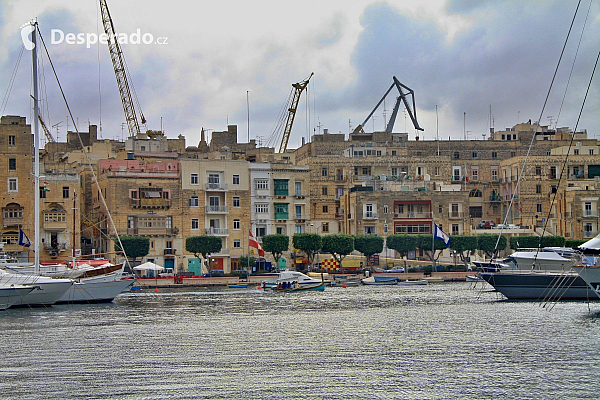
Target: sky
230	61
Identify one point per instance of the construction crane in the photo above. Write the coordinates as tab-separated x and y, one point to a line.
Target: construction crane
49	136
412	112
298	89
121	73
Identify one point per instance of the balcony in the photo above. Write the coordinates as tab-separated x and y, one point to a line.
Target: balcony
280	193
300	195
217	231
13	221
215	186
590	234
495	197
150	231
300	217
590	214
370	215
55	221
157	202
341	178
418	215
281	216
216	209
339	215
169	252
455	214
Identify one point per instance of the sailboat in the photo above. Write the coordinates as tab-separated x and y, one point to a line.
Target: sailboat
93	281
46	291
10	294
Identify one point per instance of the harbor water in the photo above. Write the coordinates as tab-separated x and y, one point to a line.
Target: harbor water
441	341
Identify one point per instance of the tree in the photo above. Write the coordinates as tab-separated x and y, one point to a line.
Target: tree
462	244
487	243
424	242
276	245
403	244
368	245
339	246
205	245
246	262
134	246
310	243
533	242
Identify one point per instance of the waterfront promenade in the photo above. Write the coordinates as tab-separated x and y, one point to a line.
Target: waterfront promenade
170	282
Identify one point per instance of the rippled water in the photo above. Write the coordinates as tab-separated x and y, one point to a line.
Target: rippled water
442	341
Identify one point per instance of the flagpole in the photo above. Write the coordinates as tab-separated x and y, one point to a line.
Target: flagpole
432	242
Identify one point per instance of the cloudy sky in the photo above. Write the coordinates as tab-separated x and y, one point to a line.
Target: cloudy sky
462	56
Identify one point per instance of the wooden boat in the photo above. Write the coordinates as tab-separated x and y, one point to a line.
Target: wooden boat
372	281
473	278
294	287
413	282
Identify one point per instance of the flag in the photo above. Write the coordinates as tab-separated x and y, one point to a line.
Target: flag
252	242
23	239
440	234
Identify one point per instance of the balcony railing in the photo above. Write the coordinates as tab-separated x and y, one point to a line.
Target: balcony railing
589	234
370	215
150	203
150	231
281	216
300	217
300	195
419	215
455	214
169	252
217	231
590	214
215	186
216	209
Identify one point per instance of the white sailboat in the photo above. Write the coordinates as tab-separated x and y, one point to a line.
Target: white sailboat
10	294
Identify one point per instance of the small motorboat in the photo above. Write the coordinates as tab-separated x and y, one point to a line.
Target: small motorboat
374	281
473	278
413	282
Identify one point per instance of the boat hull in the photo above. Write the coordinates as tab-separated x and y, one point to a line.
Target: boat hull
540	286
591	276
317	287
9	295
92	290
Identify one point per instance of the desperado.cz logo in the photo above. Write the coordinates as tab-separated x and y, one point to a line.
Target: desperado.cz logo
57	36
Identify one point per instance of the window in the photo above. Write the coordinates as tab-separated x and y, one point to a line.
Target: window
12	164
370	230
236	224
475	174
385	228
261	208
281	187
385	209
325	227
195	224
194	179
513	153
456	155
213	178
365	171
576	152
436	171
324	190
12	140
236	179
262	184
538	208
13	185
474	154
587	211
65	192
236	202
393	152
325	209
394	171
538	170
455	229
324	171
299	229
591	152
494	154
503	137
340	193
494	174
538	188
193	201
237	244
152	244
298	188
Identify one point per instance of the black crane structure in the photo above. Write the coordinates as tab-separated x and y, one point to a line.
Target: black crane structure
404	91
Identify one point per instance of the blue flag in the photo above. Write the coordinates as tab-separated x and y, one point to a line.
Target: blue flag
23	239
440	234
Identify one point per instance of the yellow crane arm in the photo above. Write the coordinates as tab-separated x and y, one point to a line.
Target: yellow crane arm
299	88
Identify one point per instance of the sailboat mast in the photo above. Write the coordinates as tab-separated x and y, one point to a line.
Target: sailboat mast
36	159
